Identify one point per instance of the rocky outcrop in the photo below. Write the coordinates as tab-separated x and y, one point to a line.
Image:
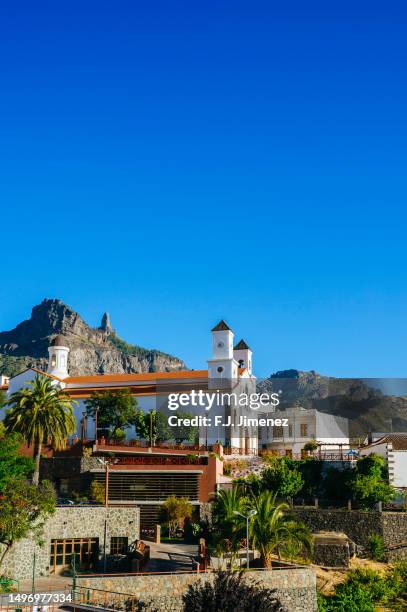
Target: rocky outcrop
93	350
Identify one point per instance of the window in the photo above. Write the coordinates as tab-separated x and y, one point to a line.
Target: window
277	432
118	546
220	369
63	551
53	361
304	430
63	361
290	431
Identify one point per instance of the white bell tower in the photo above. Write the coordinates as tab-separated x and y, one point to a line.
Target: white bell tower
222	366
58	357
244	356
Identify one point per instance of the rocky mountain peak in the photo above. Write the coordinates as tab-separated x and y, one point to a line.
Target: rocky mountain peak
93	350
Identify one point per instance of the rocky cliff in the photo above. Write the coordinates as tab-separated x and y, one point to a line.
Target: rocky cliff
93	350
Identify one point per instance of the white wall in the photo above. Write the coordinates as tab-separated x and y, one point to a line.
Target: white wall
397	463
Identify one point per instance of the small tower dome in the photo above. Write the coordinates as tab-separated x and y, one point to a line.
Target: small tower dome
58	341
58	357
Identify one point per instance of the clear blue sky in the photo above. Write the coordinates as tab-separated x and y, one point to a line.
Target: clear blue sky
179	162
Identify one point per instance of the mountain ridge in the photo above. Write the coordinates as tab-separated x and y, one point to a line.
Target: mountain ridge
92	350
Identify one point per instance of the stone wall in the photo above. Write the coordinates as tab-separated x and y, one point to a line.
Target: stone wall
296	588
359	526
71	522
75	470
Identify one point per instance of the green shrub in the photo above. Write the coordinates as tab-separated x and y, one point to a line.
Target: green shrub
365	589
376	547
119	434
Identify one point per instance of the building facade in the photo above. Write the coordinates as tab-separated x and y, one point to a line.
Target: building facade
87	532
301	426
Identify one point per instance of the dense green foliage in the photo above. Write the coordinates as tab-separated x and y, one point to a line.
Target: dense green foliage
23	507
97	492
23	510
282	477
364	590
376	547
13	465
154	424
230	592
39	411
115	411
173	511
366	483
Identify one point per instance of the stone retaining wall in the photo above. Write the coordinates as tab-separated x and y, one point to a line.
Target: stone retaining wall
359	526
296	588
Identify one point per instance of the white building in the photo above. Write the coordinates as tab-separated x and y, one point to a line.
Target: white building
393	448
229	372
299	426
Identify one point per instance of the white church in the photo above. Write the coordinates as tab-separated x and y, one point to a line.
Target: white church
228	372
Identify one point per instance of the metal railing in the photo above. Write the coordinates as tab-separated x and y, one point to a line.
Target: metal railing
166	460
95	599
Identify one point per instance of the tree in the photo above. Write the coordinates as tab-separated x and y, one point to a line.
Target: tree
227	502
272	527
165	432
23	511
229	532
368	481
282	477
115	410
174	510
230	592
97	492
185	432
39	411
146	425
310	446
13	466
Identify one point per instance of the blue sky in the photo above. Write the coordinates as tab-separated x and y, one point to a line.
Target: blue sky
177	163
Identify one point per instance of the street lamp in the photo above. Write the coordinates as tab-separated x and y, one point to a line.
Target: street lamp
247	519
106	465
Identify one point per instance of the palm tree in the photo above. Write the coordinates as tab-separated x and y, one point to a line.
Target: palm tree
229	531
227	501
272	527
39	411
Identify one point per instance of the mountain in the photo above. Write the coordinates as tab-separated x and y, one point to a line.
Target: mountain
93	350
362	401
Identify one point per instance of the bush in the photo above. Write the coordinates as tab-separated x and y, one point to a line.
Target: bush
119	435
230	592
97	492
227	469
364	590
376	547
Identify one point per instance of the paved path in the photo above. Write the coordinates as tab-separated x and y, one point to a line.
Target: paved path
172	557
